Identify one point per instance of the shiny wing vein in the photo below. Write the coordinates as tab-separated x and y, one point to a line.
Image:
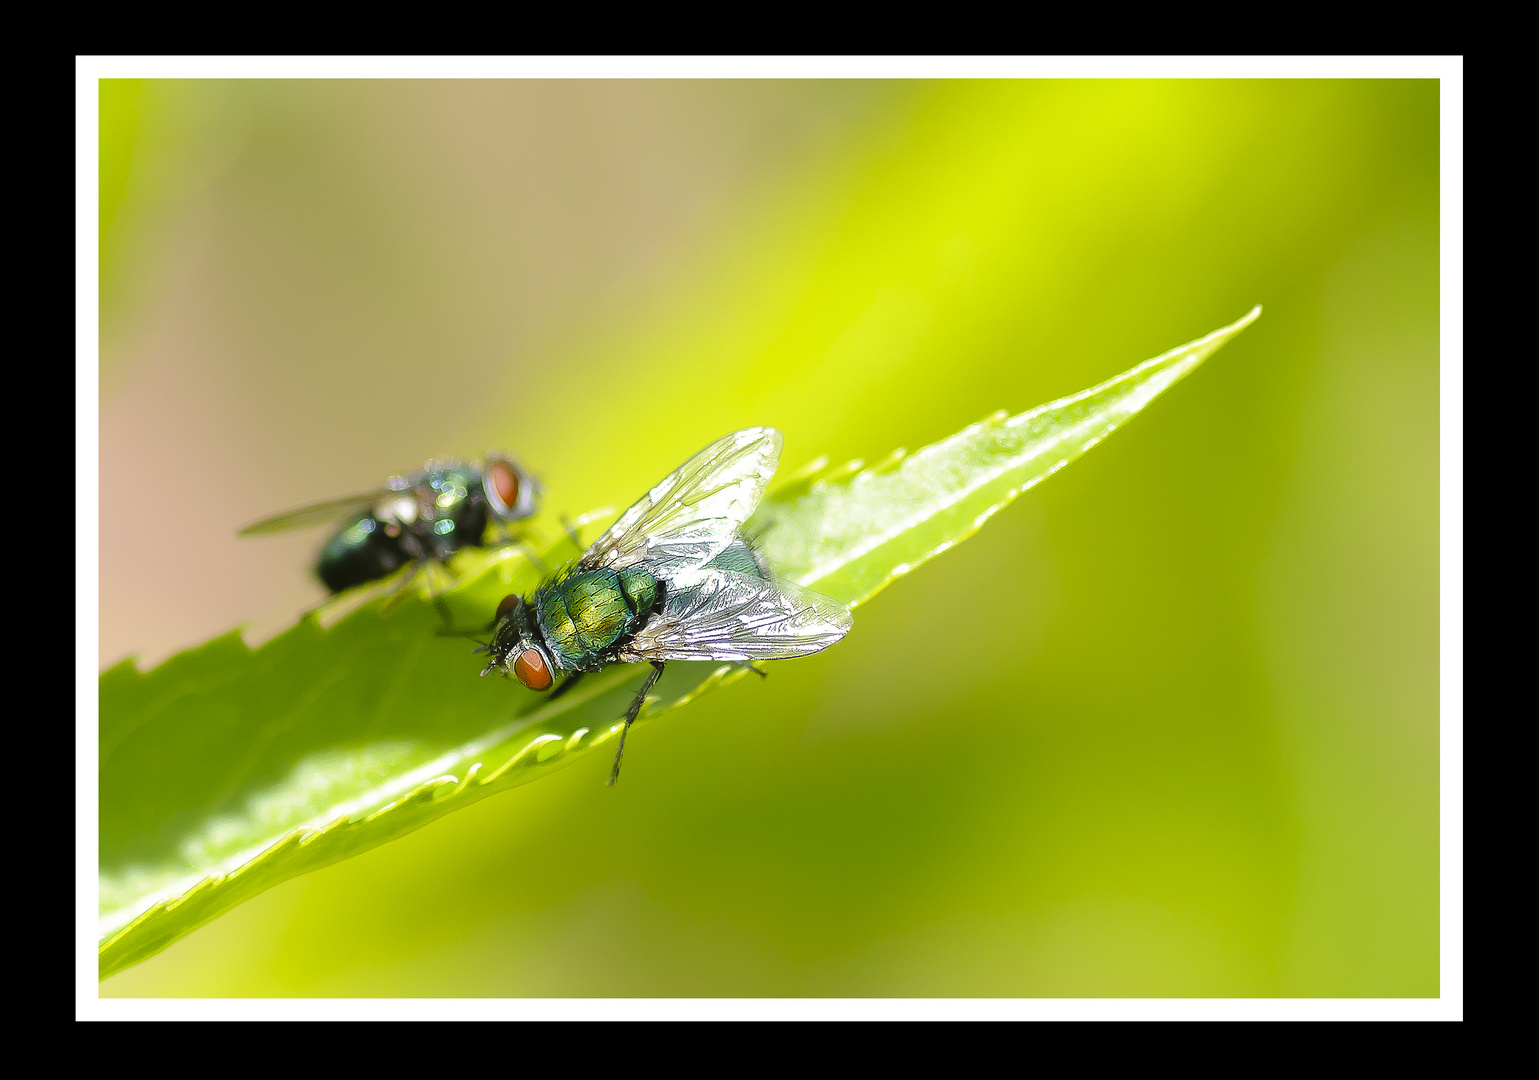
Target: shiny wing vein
695	511
319	513
720	615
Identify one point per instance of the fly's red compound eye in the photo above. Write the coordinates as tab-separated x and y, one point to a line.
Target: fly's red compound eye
508	604
503	480
531	669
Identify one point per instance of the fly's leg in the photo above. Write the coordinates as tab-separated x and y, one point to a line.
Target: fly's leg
630	716
565	686
436	576
394	587
419	557
475	633
342	603
571	531
506	537
502	536
398	593
532	556
449	630
749	665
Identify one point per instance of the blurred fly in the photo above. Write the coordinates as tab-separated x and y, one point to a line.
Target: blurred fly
673	579
413	520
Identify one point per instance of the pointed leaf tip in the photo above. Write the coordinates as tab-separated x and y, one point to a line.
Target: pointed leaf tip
226	769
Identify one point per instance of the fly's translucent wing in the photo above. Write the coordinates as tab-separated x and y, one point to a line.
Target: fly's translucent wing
720	615
321	513
695	511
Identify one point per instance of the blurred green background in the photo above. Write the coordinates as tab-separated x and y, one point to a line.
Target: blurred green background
1167	726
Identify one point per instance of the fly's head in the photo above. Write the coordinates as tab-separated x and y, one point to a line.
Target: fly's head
516	648
511	493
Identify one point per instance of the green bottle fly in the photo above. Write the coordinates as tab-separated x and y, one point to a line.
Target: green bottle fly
674	578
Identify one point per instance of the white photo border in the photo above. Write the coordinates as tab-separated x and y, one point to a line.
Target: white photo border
1449	70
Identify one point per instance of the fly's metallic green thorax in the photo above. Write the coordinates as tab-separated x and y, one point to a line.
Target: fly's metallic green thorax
584	616
430	516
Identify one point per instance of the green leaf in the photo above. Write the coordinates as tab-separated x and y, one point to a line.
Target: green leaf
227	770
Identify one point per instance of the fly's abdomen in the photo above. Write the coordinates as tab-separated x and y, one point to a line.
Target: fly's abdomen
360	551
640	589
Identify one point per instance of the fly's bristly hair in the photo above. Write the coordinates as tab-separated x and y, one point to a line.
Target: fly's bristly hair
678	576
407	522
